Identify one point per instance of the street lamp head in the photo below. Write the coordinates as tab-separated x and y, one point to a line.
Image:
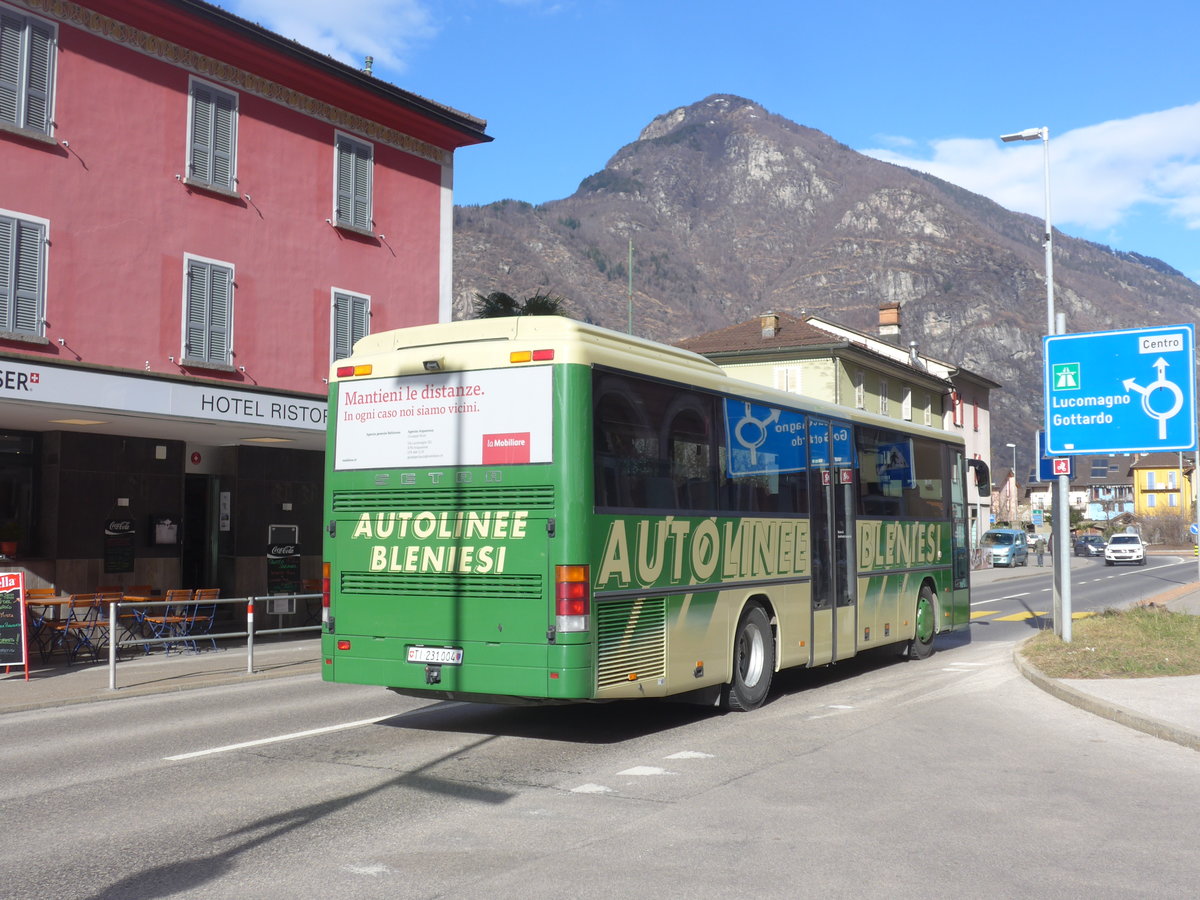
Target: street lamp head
1029	134
1011	445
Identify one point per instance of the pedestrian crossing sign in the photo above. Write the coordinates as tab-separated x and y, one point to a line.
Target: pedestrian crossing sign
1066	376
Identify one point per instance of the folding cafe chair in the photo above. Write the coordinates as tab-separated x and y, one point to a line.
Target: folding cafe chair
199	619
82	626
169	621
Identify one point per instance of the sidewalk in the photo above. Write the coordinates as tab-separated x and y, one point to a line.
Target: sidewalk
1168	708
57	684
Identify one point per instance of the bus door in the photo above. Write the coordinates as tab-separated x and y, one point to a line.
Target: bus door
832	528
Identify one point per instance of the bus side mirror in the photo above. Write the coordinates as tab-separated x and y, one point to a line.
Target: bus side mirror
983	478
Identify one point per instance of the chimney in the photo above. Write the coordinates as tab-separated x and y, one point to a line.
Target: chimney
368	65
770	325
889	321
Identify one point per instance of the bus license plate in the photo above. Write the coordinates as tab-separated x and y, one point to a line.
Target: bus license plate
442	656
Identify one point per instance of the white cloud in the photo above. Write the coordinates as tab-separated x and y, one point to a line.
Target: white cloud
348	30
1099	174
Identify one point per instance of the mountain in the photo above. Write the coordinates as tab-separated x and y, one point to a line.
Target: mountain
733	211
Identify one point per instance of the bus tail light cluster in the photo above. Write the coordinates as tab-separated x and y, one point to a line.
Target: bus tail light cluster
325	580
523	356
572	598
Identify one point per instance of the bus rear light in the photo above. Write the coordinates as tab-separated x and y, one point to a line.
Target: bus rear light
523	356
350	371
572	598
326	568
343	644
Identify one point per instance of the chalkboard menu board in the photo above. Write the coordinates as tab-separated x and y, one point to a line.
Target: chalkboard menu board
283	569
12	622
118	545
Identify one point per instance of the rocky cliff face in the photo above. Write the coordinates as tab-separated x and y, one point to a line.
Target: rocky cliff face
733	211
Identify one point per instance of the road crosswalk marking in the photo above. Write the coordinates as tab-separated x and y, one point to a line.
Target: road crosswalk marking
1023	616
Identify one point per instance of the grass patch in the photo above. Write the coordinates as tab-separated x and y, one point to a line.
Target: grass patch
1141	642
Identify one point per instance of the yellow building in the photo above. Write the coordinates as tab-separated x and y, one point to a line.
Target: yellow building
1162	484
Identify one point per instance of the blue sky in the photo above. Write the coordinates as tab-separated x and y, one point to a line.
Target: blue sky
564	84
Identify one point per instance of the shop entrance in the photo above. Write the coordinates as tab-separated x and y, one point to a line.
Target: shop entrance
198	564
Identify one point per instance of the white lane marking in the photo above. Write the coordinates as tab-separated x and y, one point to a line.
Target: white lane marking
278	739
645	770
689	754
591	789
374	870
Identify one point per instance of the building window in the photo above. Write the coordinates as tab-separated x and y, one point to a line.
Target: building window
212	137
928	409
351	321
883	397
1151	500
1172	500
208	312
27	51
860	391
22	274
787	378
906	405
354	161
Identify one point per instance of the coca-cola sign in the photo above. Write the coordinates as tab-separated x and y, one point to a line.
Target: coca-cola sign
282	551
119	526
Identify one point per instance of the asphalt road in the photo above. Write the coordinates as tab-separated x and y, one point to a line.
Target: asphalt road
951	777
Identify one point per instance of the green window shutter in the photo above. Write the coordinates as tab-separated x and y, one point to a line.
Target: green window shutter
213	133
196	339
26	72
11	30
221	302
351	322
209	312
354	163
22	275
200	168
8	242
41	77
30	256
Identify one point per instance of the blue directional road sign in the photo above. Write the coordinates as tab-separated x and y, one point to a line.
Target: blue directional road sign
1050	467
763	439
1120	391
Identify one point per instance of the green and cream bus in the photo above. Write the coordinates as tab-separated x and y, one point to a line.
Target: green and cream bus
535	509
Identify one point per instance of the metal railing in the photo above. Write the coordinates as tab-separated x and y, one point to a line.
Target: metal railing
114	623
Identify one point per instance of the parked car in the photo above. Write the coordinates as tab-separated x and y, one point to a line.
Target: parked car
1006	547
1089	545
1125	548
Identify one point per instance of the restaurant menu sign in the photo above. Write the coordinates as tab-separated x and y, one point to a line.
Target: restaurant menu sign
492	417
14	647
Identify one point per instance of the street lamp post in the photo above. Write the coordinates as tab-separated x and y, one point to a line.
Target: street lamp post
1013	519
1061	522
1033	134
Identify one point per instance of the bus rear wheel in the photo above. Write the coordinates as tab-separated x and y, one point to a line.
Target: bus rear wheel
753	662
921	646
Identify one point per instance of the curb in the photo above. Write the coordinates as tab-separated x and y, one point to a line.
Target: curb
286	670
1112	711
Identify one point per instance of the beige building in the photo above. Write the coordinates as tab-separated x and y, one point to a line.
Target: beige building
819	358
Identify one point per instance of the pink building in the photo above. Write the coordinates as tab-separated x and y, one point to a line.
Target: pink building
196	217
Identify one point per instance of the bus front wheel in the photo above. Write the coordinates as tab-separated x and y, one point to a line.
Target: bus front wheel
921	646
753	662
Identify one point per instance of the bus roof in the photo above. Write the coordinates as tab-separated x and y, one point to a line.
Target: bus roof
464	345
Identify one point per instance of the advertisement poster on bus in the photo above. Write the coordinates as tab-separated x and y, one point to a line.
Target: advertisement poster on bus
490	417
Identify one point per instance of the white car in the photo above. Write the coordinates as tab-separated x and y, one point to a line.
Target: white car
1124	548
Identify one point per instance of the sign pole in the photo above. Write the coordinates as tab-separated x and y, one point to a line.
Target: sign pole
1062	559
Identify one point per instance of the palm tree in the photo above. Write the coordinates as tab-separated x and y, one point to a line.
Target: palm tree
498	304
